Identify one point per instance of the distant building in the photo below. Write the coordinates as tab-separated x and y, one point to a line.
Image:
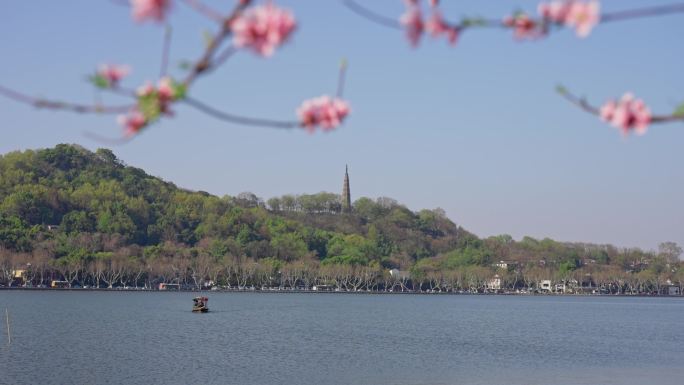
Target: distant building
59	284
323	288
545	285
396	273
18	277
506	265
346	194
671	289
169	286
494	283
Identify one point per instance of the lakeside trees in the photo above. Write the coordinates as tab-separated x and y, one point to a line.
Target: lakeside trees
70	214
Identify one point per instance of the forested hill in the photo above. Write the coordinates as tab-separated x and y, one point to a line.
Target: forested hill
74	203
79	214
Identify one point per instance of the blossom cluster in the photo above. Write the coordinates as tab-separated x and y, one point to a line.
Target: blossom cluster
627	114
152	102
415	24
109	75
263	28
582	15
323	111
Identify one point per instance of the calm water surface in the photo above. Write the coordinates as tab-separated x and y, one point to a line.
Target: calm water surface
255	338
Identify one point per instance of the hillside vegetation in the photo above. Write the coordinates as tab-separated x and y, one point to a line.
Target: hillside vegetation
88	218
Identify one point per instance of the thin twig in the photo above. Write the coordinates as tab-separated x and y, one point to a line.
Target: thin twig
223	56
579	102
204	10
371	15
642	12
585	106
166	48
58	105
205	61
341	78
239	119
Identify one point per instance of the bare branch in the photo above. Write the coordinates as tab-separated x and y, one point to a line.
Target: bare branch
371	15
223	56
166	48
59	105
587	107
643	12
205	10
205	62
341	78
106	140
239	119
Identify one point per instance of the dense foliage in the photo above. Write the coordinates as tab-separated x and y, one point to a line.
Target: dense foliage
88	218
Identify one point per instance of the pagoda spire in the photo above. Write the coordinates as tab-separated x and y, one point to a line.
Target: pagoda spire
346	195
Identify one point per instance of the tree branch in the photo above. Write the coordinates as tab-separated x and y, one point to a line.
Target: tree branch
205	10
643	12
341	78
377	18
587	107
205	61
59	105
371	15
239	119
166	48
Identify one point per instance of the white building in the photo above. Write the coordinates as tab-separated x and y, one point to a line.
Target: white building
545	285
494	283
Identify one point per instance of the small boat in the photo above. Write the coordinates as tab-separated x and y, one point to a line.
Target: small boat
200	305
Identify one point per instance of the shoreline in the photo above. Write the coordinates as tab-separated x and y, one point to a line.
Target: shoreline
140	290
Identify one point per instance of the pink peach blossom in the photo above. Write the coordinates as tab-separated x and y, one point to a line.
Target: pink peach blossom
165	89
145	89
155	10
555	11
263	28
113	73
627	114
524	27
132	123
583	16
412	20
323	111
436	26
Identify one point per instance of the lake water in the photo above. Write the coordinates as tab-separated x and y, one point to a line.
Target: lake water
71	337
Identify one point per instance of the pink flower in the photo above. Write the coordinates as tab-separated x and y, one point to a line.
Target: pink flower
434	3
165	93
145	89
583	16
412	20
524	27
627	114
555	11
113	73
165	89
436	26
322	111
156	10
263	28
132	123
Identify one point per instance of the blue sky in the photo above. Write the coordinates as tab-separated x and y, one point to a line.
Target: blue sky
475	129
